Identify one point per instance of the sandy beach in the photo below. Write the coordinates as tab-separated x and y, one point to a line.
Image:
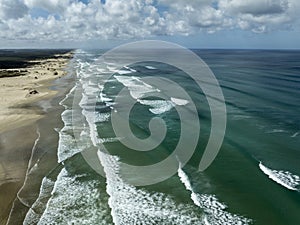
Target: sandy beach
21	87
29	109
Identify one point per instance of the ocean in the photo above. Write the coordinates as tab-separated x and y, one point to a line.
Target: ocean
255	178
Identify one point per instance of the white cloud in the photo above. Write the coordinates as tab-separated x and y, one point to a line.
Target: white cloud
73	20
255	7
12	9
56	6
262	15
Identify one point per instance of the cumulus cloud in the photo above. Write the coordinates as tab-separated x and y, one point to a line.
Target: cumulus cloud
12	9
256	7
262	15
56	6
73	20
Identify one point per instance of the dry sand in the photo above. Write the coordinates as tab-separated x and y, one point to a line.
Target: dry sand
18	91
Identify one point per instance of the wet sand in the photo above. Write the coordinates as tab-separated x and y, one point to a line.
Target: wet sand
27	135
15	153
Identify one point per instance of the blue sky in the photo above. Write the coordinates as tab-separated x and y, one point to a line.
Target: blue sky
106	23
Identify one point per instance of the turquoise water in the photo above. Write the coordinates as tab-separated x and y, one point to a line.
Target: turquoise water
254	179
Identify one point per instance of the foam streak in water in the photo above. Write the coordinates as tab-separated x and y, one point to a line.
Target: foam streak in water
215	213
284	178
136	87
295	135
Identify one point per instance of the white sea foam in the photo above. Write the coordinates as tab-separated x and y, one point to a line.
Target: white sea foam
87	104
67	144
109	140
95	117
184	179
104	98
112	68
62	102
66	147
276	131
91	119
157	106
127	71
101	70
35	212
90	89
137	87
295	135
124	72
179	101
131	205
284	178
76	200
215	211
128	68
150	67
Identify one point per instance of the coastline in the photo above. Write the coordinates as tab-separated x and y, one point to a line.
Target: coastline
21	87
27	135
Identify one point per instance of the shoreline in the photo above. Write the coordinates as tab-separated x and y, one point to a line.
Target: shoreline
27	134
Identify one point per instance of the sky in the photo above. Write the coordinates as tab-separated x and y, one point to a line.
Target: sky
260	24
